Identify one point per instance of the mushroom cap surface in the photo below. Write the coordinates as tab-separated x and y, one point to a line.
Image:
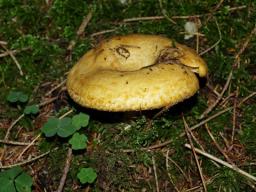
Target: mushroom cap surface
135	72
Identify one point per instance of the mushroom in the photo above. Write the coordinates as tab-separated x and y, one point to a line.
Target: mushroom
135	72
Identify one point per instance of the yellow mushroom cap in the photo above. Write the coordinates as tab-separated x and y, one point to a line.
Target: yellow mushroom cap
135	72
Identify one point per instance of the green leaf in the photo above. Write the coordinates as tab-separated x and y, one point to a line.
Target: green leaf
78	141
8	177
31	109
65	127
17	96
61	127
87	175
80	120
7	185
11	173
23	97
23	182
50	127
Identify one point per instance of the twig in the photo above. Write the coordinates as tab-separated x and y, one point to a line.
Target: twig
12	51
215	44
3	43
209	119
199	188
211	107
196	140
246	98
143	18
225	100
148	18
65	171
14	142
197	36
80	30
244	46
14	59
188	133
155	174
66	114
25	162
27	147
56	87
217	144
160	145
8	133
234	116
12	125
214	10
48	101
167	168
102	32
179	168
212	89
226	142
233	167
164	12
84	23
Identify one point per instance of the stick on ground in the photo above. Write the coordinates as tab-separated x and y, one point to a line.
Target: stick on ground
233	167
65	171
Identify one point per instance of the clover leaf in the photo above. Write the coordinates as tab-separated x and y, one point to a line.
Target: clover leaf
80	120
61	127
87	175
78	141
23	182
65	128
7	185
31	109
17	96
11	173
15	180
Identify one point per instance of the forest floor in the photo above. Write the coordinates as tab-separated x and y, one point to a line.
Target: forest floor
39	43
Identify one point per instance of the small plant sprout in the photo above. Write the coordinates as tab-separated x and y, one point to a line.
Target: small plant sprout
80	120
31	110
87	175
78	141
20	97
17	96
